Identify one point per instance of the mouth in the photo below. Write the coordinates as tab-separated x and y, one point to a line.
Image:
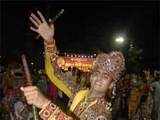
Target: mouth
98	83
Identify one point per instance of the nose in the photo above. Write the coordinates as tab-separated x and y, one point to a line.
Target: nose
100	75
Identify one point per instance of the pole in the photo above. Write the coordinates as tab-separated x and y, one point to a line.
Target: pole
29	81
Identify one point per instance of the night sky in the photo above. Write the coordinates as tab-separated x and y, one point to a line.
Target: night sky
83	28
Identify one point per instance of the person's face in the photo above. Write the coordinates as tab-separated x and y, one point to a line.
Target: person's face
100	80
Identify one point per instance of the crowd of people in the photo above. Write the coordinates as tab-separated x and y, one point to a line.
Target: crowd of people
130	95
107	92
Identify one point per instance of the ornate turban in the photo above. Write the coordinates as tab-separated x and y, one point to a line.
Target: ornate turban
112	63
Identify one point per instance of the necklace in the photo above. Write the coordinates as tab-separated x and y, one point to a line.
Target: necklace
89	101
90	96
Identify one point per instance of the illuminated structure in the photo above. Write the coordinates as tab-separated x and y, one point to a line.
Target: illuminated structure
81	62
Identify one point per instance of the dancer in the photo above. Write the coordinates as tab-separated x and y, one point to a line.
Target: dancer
90	104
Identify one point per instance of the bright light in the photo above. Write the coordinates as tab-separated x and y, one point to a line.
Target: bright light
119	40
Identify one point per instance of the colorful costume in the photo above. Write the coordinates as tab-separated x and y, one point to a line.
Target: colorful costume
82	107
141	103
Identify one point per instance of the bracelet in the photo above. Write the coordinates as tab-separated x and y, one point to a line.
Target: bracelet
49	42
51	48
46	112
52	112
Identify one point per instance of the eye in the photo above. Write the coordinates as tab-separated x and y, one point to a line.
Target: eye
96	72
106	75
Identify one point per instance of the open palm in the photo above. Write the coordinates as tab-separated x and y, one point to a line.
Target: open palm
41	26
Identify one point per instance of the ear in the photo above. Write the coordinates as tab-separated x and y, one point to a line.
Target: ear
111	86
109	91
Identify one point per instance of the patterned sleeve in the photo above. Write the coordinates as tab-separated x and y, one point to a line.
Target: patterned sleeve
50	68
53	112
66	81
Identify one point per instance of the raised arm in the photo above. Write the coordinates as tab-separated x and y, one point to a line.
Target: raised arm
46	31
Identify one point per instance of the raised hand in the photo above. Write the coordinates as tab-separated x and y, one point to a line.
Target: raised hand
42	27
35	97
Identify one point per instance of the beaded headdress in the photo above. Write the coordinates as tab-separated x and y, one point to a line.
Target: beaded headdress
112	63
